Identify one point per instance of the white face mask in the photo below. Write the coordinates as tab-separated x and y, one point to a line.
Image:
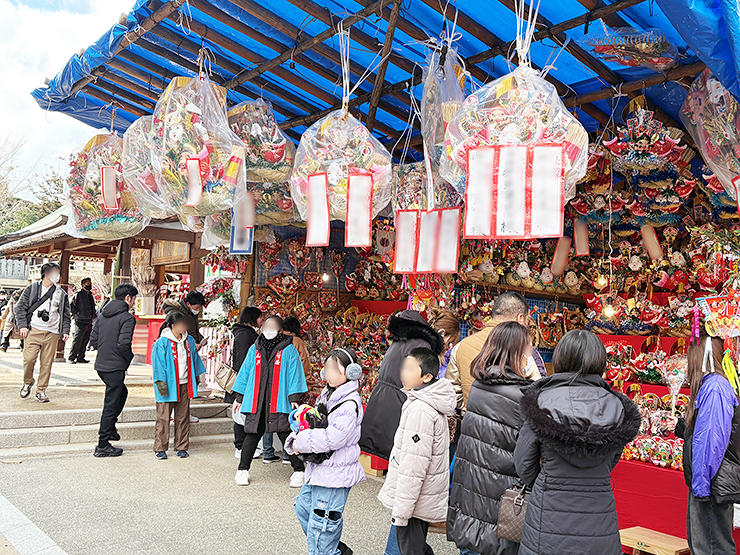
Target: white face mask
54	278
269	334
196	312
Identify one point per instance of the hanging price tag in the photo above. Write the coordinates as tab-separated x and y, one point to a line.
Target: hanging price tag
318	226
580	236
545	192
479	222
195	181
426	250
560	258
110	191
358	229
407	225
511	192
448	241
242	225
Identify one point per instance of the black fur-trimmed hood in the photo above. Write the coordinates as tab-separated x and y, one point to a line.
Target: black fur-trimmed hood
580	417
409	324
495	377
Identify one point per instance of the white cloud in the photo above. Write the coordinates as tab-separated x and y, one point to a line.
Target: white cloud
36	39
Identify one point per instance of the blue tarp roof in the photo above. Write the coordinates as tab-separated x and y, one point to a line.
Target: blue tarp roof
134	77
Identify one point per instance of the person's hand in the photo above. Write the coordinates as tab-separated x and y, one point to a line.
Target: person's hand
294	405
65	337
199	345
23	332
672	421
237	407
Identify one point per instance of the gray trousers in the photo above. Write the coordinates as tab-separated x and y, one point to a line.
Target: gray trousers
709	527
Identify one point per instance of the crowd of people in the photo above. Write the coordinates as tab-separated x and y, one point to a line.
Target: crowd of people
466	426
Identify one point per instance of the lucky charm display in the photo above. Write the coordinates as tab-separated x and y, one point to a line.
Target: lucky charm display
100	207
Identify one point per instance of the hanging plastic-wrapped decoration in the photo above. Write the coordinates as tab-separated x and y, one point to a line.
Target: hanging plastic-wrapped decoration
634	47
196	224
101	207
216	230
138	172
411	186
338	147
441	98
269	153
712	117
520	108
197	159
273	203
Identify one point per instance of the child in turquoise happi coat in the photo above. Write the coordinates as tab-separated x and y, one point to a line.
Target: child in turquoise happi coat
176	366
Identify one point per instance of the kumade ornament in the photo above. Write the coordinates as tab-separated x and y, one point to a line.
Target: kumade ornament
634	47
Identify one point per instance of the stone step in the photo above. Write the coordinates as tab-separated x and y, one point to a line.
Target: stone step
18	454
82	417
62	435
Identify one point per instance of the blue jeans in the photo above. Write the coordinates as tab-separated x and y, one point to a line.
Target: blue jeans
391	547
269	450
467	552
319	511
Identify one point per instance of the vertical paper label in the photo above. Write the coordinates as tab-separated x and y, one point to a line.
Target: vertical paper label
358	229
580	236
108	186
195	182
547	210
407	223
427	242
479	193
318	227
510	189
242	225
448	241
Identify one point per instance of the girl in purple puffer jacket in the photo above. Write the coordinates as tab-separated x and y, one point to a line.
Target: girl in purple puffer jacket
322	499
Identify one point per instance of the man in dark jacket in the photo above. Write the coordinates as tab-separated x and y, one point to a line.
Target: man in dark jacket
191	306
83	311
408	331
112	336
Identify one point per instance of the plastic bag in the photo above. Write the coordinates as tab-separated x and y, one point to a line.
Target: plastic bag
190	122
712	117
137	170
336	145
516	109
273	203
441	98
410	188
216	230
634	47
269	153
83	192
196	224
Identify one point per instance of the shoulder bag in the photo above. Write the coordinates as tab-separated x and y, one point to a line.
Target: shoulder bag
225	376
511	512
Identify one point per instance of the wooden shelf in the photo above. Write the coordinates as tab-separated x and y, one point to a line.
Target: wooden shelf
575	299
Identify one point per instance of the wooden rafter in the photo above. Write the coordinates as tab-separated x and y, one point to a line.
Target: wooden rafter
384	56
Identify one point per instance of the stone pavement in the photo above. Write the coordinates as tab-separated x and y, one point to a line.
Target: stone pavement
136	504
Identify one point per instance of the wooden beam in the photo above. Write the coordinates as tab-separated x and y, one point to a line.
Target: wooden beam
156	83
134	35
303	46
657	79
613	20
103	72
167	234
95	92
119	92
384	56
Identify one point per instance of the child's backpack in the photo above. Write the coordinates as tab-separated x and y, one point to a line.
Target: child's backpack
307	417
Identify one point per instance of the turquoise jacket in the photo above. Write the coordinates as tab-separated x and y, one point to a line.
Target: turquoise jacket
290	380
163	370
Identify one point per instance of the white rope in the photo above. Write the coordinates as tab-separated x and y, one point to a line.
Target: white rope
183	20
343	36
551	65
525	33
708	355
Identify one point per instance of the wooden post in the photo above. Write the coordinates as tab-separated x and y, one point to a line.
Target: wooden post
197	270
384	55
107	265
246	287
126	260
63	281
159	276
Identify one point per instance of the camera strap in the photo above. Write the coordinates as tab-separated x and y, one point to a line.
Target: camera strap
43	299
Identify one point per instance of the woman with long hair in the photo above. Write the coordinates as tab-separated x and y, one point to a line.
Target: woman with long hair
711	450
575	428
484	467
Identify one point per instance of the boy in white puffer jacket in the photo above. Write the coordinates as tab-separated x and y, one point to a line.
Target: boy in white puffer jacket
417	484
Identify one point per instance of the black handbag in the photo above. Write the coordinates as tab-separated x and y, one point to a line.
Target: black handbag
511	512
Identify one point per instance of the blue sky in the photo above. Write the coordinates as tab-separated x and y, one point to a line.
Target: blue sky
37	37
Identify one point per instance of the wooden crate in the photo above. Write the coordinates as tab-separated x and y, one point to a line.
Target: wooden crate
644	541
367	465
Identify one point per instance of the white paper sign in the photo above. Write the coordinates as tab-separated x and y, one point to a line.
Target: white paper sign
195	183
547	211
358	230
580	237
427	249
407	223
318	229
448	241
510	193
479	194
242	225
110	193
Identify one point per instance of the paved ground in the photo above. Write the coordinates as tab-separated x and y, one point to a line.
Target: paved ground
138	505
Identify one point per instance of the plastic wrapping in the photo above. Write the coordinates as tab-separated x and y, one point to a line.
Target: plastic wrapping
216	230
712	117
441	98
634	47
190	122
195	224
410	185
273	203
83	192
138	172
337	145
268	152
520	108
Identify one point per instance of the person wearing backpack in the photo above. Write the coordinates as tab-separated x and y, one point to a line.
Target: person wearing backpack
333	466
42	316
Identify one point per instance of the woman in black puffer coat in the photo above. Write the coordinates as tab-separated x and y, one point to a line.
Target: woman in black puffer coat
484	467
575	428
408	331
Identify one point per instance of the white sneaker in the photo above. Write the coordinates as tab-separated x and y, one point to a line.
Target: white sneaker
237	453
242	478
258	453
194	419
296	480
